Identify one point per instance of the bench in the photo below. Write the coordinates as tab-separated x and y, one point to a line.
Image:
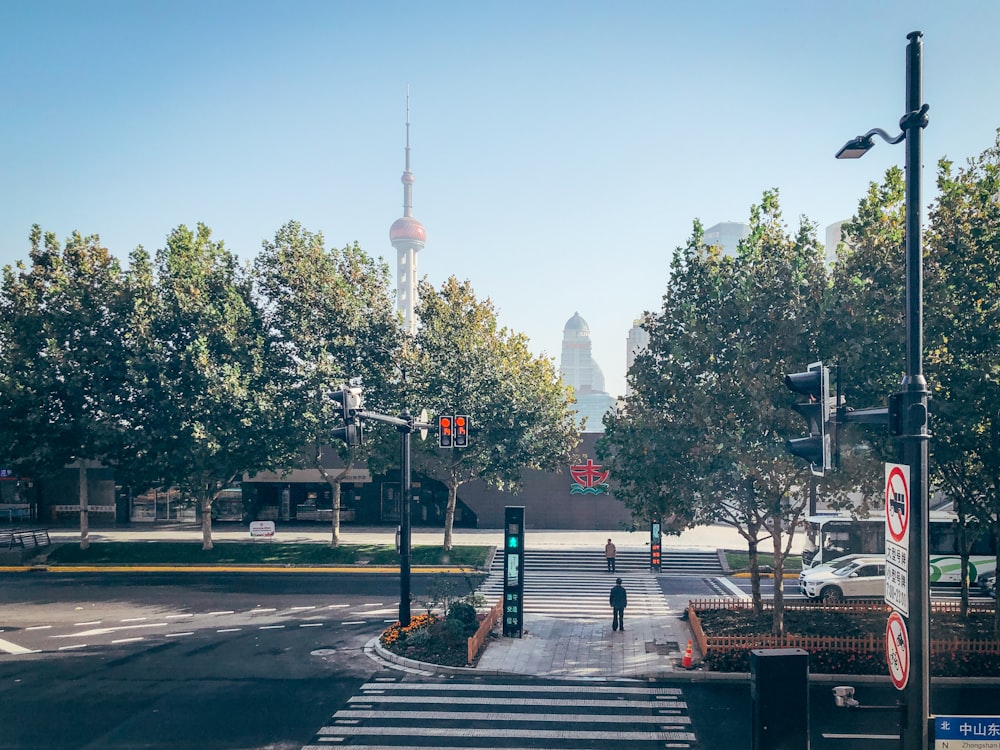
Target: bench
15	514
24	539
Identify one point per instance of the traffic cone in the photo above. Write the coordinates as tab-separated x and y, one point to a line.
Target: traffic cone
688	657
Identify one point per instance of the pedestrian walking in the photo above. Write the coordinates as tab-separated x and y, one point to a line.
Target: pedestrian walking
609	553
618	600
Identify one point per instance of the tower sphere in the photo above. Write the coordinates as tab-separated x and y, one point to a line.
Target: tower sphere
407	229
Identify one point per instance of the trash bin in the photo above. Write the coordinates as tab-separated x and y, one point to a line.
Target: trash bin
779	695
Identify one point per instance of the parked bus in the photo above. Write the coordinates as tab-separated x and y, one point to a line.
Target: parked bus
833	535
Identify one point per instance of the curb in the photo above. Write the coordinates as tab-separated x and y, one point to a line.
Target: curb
381	569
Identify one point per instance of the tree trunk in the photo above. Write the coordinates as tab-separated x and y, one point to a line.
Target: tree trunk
778	619
335	522
758	602
963	546
84	508
996	607
449	516
206	520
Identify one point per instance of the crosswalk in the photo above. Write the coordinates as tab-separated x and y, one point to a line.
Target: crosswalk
581	595
507	714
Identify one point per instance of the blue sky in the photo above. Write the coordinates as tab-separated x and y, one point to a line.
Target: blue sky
561	150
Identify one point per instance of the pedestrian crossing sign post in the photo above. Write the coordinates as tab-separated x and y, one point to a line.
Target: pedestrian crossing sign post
654	544
513	568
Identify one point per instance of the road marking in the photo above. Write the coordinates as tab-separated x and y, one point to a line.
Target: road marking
222	612
262	610
229	630
503	700
354	622
374	604
70	648
591	689
271	627
302	609
89	622
832	736
129	640
737	591
13	648
491	733
134	619
39	627
177	617
105	631
178	635
500	716
311	625
338	606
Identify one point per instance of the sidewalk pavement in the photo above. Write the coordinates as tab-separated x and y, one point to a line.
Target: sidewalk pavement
648	647
701	538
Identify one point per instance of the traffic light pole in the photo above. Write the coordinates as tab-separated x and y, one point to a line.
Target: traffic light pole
405	431
405	424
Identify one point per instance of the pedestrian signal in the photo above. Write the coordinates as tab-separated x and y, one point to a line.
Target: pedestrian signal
446	434
461	426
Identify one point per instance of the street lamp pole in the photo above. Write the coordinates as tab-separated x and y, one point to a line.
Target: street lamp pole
914	422
908	408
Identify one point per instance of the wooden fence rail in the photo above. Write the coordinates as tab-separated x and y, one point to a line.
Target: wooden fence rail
477	640
870	643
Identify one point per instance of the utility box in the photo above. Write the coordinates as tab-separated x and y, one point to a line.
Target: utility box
779	695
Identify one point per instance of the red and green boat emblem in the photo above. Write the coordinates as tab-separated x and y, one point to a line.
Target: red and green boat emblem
589	479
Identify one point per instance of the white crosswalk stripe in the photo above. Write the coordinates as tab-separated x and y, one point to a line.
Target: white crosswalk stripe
508	715
582	596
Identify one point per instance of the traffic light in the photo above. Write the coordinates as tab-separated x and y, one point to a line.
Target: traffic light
446	435
351	433
350	399
461	425
817	411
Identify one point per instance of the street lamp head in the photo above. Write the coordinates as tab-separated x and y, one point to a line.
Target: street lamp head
856	147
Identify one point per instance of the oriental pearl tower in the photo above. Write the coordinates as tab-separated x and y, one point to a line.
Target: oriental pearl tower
407	235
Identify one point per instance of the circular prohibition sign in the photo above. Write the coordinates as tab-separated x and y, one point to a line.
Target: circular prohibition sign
897	650
897	514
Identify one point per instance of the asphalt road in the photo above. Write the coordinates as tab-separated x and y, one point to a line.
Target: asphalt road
240	661
166	661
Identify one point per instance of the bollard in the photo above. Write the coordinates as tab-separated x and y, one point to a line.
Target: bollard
779	694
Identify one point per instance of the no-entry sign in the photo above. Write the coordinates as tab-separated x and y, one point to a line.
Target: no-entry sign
897	650
897	537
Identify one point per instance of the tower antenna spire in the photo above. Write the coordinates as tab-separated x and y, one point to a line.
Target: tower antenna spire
407	236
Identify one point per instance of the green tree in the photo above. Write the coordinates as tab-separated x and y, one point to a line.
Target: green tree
462	362
962	344
865	331
63	356
333	320
709	407
220	413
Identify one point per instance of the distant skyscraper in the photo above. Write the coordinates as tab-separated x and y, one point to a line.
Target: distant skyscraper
834	236
580	371
638	339
407	235
727	235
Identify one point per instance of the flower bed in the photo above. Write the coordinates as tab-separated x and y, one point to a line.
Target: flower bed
433	639
846	639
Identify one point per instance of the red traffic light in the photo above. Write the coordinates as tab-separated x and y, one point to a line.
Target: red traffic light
445	431
461	431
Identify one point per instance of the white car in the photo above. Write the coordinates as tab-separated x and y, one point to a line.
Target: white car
835	564
862	577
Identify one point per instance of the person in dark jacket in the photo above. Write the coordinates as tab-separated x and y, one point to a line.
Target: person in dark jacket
619	600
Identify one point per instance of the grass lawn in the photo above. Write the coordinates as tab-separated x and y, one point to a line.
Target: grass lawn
257	553
740	560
